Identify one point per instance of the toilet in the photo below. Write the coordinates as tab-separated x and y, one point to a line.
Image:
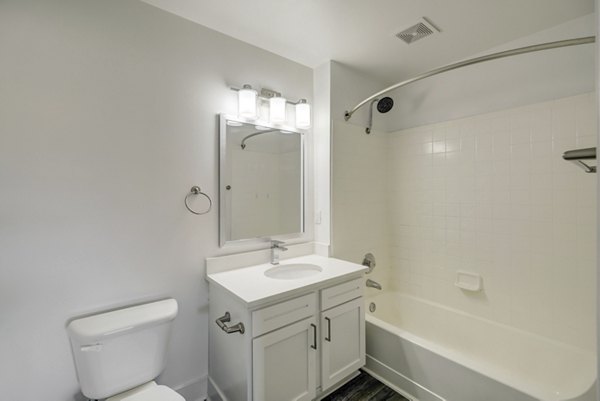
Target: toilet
118	354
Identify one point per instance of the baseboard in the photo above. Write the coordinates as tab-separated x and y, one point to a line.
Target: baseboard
194	390
214	393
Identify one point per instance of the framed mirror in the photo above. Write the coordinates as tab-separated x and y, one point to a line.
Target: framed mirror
261	182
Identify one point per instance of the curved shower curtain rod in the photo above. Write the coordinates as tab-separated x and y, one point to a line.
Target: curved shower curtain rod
243	144
476	60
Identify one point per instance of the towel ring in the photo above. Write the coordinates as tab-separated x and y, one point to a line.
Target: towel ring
197	191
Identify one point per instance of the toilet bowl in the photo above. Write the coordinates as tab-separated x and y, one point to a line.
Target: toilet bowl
118	354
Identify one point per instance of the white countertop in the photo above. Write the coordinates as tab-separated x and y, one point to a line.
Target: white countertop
251	286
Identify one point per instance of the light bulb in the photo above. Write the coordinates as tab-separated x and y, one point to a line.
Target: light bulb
302	114
247	102
277	109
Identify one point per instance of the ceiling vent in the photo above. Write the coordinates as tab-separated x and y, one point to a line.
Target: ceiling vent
419	31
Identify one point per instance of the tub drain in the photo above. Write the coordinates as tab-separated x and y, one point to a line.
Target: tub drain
372	307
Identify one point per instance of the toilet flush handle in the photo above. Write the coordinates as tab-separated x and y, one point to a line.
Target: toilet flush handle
236	328
91	348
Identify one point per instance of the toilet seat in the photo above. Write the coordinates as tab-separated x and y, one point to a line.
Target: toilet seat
149	392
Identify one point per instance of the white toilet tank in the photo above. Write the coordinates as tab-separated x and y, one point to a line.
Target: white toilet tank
122	349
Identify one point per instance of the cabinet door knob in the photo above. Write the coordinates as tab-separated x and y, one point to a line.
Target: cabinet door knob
328	338
314	346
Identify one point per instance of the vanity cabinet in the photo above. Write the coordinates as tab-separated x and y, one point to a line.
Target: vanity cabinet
292	349
342	341
284	363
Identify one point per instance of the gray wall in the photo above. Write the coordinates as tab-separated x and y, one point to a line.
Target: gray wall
107	118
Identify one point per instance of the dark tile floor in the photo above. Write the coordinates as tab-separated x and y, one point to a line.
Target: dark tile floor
364	388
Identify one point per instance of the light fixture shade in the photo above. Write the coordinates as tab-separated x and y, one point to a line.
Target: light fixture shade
247	102
277	109
302	114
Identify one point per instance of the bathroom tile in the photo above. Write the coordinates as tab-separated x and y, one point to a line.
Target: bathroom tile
452	145
562	144
541	149
500	123
542	165
585	121
484	145
492	194
501	146
468	145
586	141
520	151
563	118
541	123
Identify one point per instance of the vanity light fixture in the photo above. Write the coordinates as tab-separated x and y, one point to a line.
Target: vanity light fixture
302	114
248	99
277	109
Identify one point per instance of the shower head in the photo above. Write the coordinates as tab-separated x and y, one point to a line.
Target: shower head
383	106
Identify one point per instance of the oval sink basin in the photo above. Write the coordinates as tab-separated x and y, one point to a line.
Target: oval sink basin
293	271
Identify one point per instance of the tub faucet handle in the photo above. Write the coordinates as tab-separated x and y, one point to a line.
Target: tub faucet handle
369	261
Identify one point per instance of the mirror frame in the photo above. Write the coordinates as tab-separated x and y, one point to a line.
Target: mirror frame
225	214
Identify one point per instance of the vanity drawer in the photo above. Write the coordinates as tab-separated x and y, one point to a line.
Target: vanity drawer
341	293
284	313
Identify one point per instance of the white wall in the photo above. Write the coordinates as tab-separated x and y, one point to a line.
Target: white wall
360	186
107	118
322	151
499	84
348	87
337	88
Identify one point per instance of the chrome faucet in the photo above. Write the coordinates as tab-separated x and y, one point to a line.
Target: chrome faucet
276	248
374	284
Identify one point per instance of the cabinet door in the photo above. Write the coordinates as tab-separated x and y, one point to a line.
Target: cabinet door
343	341
284	363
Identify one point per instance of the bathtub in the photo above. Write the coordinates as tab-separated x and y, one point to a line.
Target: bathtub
429	352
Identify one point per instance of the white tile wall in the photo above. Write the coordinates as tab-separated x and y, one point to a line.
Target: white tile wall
488	194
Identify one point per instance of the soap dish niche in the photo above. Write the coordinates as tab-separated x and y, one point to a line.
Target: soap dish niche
468	281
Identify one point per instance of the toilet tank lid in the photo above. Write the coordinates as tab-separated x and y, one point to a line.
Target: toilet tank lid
117	322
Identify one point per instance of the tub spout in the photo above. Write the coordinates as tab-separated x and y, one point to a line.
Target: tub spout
373	284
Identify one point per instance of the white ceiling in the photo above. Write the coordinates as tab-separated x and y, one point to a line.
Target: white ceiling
360	33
